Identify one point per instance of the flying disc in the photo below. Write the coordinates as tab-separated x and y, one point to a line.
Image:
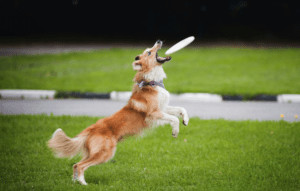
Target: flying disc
180	45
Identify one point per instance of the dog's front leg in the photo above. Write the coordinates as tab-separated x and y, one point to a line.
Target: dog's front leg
179	112
173	121
164	118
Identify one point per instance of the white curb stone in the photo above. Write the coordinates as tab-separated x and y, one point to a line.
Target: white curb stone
27	94
120	96
125	95
288	98
201	97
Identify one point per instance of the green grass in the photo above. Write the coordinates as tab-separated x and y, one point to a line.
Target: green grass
214	70
207	155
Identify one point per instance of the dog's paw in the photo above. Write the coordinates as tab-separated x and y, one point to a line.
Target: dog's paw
185	120
185	123
82	181
175	133
185	117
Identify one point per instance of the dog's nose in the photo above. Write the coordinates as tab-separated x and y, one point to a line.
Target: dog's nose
158	42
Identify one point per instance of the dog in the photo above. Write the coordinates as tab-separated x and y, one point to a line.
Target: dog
147	107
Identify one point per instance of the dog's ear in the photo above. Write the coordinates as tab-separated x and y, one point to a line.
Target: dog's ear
137	66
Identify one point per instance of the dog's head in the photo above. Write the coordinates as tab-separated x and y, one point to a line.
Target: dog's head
149	59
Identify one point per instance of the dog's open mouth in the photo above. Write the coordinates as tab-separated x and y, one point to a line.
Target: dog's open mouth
162	60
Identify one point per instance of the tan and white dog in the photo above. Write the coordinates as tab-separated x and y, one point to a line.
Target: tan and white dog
147	107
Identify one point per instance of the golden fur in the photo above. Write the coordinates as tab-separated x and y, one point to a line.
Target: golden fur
98	142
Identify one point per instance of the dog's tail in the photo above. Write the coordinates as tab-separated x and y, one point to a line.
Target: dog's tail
64	146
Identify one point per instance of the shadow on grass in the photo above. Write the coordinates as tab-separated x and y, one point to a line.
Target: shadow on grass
100	179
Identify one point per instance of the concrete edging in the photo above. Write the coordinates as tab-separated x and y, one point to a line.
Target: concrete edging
125	95
288	98
203	97
27	94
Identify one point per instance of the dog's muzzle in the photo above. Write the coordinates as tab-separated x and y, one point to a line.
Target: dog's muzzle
162	60
159	59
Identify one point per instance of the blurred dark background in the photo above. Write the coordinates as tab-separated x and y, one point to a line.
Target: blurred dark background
208	20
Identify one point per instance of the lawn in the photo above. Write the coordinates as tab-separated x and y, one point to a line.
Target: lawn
246	71
207	155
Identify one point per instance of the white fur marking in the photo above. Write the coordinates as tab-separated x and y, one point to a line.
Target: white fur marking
147	49
174	122
179	112
166	119
163	97
156	74
81	180
59	129
139	105
137	67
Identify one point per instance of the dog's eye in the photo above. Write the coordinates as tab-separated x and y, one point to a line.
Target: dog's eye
149	53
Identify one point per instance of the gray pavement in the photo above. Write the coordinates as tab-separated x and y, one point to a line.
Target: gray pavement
55	48
226	110
61	46
32	49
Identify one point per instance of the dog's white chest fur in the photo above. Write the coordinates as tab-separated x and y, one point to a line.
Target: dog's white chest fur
163	101
163	97
156	74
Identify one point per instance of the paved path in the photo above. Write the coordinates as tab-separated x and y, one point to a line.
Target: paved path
55	48
225	110
32	49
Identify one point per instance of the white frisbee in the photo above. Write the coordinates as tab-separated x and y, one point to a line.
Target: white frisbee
180	45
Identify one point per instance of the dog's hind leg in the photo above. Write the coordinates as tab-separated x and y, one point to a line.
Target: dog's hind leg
100	149
85	156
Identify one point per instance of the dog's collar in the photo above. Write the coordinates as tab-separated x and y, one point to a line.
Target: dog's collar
151	83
